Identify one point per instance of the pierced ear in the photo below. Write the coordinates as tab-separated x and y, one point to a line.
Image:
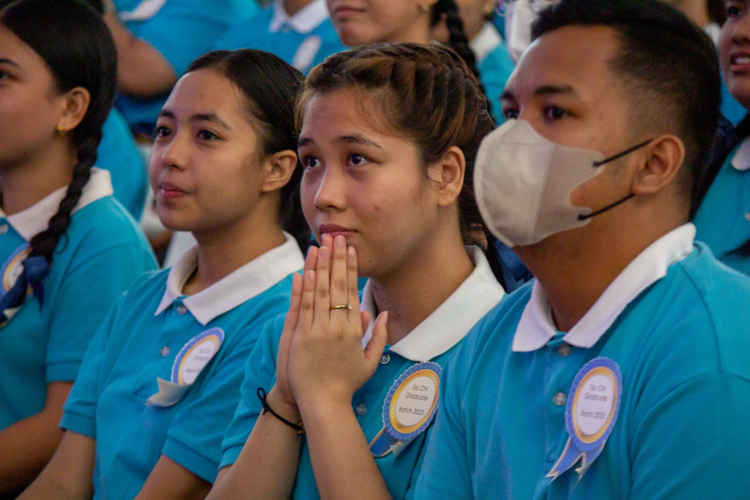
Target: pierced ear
666	158
448	175
278	168
75	105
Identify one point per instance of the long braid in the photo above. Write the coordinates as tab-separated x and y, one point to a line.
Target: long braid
458	40
44	243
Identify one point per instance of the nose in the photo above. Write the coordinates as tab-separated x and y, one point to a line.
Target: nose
331	190
740	28
174	152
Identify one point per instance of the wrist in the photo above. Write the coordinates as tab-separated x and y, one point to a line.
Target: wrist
283	407
325	410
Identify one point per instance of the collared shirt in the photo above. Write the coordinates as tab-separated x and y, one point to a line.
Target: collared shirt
433	340
681	346
495	66
302	40
100	255
723	219
536	327
112	400
304	22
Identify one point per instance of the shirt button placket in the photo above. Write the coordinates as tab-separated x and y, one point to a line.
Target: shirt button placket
559	399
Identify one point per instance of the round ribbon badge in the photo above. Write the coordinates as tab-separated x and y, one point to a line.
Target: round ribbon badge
12	268
195	355
409	408
590	414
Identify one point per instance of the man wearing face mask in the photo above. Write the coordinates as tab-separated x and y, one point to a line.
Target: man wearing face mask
623	371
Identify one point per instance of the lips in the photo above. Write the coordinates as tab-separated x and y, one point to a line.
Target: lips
739	61
335	230
169	190
343	12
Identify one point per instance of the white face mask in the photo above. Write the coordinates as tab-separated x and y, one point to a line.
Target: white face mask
519	15
523	183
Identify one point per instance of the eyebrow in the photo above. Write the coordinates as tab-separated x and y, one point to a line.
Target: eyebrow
344	139
200	117
544	91
8	61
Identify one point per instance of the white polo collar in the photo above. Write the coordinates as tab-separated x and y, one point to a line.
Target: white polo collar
450	322
303	22
485	41
741	159
248	281
536	328
35	219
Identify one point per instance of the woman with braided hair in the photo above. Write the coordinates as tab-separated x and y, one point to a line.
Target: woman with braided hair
389	135
68	248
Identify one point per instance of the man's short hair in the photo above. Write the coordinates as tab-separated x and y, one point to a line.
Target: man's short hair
669	65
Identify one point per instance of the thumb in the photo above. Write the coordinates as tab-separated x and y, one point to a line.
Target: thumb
375	347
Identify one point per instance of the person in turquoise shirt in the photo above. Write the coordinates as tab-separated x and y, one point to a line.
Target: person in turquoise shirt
302	37
369	195
68	249
160	381
493	60
623	370
157	40
723	219
119	154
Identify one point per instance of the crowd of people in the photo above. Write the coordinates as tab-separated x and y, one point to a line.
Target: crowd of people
410	249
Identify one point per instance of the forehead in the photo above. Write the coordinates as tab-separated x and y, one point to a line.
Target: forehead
573	56
207	90
344	110
13	48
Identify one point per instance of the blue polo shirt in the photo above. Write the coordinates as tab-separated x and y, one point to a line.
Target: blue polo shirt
119	154
675	322
723	219
433	340
181	30
147	389
301	40
495	67
101	254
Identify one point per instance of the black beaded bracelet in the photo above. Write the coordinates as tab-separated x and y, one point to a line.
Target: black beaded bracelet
300	427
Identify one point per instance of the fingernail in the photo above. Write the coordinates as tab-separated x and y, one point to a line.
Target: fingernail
352	252
310	275
323	253
340	242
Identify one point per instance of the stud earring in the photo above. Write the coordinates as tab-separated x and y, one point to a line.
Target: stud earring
60	132
424	8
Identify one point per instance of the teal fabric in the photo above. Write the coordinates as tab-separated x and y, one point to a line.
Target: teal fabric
181	31
102	253
684	351
494	71
255	34
399	472
118	153
722	219
134	347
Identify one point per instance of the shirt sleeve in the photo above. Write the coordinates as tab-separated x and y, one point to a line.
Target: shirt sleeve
185	29
195	436
445	471
79	413
260	372
85	296
688	445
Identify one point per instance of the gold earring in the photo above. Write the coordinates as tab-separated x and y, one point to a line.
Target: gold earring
60	132
424	8
488	10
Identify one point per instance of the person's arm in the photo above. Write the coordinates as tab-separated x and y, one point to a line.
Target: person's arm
267	465
142	71
327	365
68	475
27	445
170	481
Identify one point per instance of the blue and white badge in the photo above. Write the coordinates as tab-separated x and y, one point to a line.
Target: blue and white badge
408	409
12	268
188	364
590	415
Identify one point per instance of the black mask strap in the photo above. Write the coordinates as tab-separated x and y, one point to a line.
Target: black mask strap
610	207
624	153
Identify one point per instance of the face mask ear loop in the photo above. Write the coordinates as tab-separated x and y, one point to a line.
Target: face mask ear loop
610	207
620	155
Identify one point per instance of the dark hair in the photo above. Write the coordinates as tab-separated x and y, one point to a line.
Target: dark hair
425	92
270	87
717	11
76	45
457	36
669	65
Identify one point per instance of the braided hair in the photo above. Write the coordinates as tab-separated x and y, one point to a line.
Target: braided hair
270	87
76	45
426	93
